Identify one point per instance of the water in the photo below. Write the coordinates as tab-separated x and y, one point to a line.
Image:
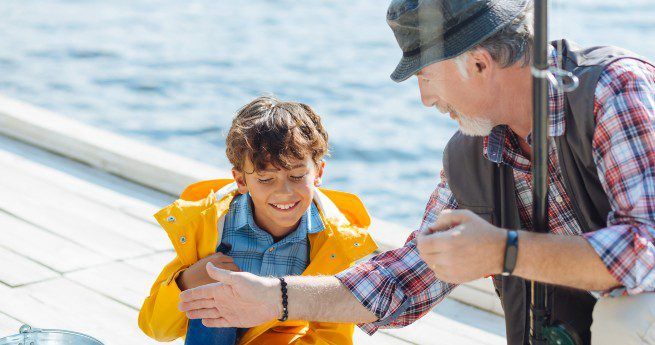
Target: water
173	73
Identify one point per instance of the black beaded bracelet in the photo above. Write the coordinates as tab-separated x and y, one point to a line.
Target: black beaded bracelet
285	302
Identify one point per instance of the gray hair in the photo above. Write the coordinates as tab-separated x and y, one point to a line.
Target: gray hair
511	44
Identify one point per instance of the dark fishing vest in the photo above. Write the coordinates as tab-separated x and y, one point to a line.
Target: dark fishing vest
487	189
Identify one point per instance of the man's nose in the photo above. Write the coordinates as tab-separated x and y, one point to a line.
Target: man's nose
427	99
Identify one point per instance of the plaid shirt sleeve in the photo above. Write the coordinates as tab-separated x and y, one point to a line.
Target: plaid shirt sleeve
624	153
397	286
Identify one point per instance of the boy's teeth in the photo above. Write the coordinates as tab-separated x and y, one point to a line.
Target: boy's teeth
284	206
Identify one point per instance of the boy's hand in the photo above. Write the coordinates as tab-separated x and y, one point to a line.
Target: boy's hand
233	300
196	274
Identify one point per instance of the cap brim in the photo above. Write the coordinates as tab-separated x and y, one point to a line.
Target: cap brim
466	38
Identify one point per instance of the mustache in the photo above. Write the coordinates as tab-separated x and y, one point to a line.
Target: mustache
447	109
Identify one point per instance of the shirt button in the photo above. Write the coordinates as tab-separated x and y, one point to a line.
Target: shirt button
559	199
271	249
170	219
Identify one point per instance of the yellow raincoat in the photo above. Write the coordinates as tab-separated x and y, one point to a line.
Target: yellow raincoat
192	222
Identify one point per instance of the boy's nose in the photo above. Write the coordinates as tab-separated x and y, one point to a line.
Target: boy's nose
285	188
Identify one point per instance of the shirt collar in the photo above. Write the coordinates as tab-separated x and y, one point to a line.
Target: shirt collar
494	143
310	222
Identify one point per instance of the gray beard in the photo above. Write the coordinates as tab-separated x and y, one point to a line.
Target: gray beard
473	126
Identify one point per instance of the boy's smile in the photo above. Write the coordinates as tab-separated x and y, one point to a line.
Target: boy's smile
285	207
280	197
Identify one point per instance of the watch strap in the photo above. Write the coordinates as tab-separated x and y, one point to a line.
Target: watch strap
511	252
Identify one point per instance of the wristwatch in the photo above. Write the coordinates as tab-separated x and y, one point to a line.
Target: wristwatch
511	252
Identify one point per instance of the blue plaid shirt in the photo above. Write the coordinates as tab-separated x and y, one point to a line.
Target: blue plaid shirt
254	249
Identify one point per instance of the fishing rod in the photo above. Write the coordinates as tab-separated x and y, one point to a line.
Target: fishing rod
543	330
539	311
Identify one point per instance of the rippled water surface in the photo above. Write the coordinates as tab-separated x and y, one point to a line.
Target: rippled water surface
172	73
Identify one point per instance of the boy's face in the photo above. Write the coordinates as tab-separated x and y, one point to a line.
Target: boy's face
280	196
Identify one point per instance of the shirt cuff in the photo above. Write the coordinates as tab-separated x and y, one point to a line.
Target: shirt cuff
628	256
376	289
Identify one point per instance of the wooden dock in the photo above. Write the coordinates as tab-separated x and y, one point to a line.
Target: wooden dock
79	248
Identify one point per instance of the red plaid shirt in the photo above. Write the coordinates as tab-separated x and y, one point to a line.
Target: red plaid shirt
400	288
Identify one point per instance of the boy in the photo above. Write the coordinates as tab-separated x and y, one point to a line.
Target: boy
271	220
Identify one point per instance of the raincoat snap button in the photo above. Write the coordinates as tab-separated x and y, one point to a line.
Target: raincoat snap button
183	239
356	244
170	219
333	256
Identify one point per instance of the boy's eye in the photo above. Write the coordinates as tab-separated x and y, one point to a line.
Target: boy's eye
264	180
298	178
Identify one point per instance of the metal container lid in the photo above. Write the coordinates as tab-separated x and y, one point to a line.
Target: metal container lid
35	336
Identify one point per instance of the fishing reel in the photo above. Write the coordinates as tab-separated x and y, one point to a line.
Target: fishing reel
561	334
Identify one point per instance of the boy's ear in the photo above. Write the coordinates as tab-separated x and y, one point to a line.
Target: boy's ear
240	179
318	180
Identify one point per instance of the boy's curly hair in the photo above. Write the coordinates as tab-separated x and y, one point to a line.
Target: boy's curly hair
268	130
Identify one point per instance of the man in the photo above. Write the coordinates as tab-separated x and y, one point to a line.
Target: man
472	60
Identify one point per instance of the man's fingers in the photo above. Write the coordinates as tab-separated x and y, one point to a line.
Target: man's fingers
432	243
200	292
232	267
197	304
215	322
450	218
211	313
438	242
219	274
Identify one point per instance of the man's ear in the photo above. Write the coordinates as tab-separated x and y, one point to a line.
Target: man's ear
318	180
240	179
482	60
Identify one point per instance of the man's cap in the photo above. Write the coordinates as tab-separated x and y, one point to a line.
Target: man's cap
430	31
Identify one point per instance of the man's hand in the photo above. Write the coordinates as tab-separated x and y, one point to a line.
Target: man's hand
235	299
196	274
462	247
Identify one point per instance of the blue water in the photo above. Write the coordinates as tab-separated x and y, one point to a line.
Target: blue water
172	73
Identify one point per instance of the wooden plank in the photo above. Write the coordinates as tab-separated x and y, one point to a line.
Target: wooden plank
77	178
82	209
449	323
379	338
388	235
119	281
50	250
452	322
95	235
18	270
484	284
154	263
63	304
130	159
477	298
8	325
424	333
